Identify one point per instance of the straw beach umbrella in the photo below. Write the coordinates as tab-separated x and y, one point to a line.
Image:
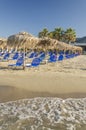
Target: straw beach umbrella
52	44
3	43
22	40
25	40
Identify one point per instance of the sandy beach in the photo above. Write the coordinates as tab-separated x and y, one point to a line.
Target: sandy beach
51	96
64	79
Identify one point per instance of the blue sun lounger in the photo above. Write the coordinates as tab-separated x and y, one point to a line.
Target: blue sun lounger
6	56
15	57
35	63
61	57
33	54
53	58
19	62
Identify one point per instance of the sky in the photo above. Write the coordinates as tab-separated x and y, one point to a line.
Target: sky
34	15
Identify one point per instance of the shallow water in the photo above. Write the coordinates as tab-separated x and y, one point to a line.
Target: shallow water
43	114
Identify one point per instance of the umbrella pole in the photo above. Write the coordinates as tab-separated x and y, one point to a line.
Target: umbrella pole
24	58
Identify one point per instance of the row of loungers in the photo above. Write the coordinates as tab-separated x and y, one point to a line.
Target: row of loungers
37	58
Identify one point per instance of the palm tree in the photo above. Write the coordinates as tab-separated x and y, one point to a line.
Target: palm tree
50	35
70	35
66	36
40	34
58	34
43	33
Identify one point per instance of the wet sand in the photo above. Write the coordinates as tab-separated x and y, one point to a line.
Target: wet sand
9	93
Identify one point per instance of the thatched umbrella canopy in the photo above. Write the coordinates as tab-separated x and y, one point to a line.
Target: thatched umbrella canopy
77	49
52	44
30	42
21	39
3	43
47	44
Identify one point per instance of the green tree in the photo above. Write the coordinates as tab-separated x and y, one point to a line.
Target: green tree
70	35
66	36
50	34
43	33
58	34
